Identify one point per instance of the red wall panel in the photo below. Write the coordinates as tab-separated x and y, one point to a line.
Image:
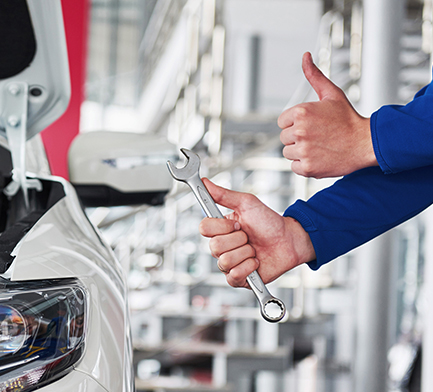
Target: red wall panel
58	136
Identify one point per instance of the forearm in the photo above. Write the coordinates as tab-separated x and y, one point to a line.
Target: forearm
402	136
360	207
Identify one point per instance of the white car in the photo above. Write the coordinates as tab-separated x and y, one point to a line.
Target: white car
64	322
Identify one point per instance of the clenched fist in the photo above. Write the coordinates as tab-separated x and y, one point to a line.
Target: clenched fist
253	237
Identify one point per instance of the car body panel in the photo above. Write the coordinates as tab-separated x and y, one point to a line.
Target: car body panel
63	244
64	232
75	381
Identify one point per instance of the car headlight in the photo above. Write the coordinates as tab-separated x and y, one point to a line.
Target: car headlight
42	331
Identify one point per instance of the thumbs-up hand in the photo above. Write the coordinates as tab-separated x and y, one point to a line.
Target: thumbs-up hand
327	138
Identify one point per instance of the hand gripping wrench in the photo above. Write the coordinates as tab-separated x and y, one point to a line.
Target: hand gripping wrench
271	308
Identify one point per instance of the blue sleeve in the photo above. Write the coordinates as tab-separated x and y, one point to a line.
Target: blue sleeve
403	135
359	207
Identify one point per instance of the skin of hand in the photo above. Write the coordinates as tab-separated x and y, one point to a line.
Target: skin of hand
253	237
326	138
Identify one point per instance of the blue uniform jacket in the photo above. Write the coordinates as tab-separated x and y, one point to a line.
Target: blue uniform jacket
368	202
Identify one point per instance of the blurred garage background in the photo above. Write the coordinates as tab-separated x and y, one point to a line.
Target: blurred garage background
213	76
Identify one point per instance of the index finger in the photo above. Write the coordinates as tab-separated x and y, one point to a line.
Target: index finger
210	227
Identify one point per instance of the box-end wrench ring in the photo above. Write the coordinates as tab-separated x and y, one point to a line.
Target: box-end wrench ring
271	308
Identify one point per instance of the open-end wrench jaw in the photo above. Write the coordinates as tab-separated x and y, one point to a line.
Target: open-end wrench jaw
190	169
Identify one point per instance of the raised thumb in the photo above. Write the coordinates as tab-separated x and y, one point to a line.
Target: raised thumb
324	88
225	197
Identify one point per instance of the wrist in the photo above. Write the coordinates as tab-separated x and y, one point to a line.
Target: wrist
302	249
367	156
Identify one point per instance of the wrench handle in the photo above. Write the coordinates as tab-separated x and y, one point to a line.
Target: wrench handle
271	308
204	198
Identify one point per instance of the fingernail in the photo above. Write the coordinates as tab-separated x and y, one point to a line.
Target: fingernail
237	226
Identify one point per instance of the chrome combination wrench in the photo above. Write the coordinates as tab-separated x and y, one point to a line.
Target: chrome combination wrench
271	308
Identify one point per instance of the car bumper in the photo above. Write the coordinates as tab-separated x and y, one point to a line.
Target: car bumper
72	382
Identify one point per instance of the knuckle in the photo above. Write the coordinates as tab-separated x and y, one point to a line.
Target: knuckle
207	227
214	245
252	251
305	173
300	112
281	122
236	275
297	168
283	119
232	282
225	260
239	238
248	252
300	133
235	279
250	199
286	153
243	238
303	153
308	166
210	227
308	169
202	227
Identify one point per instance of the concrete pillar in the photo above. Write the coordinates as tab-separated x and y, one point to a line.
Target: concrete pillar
427	344
383	21
244	90
267	341
373	302
379	85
